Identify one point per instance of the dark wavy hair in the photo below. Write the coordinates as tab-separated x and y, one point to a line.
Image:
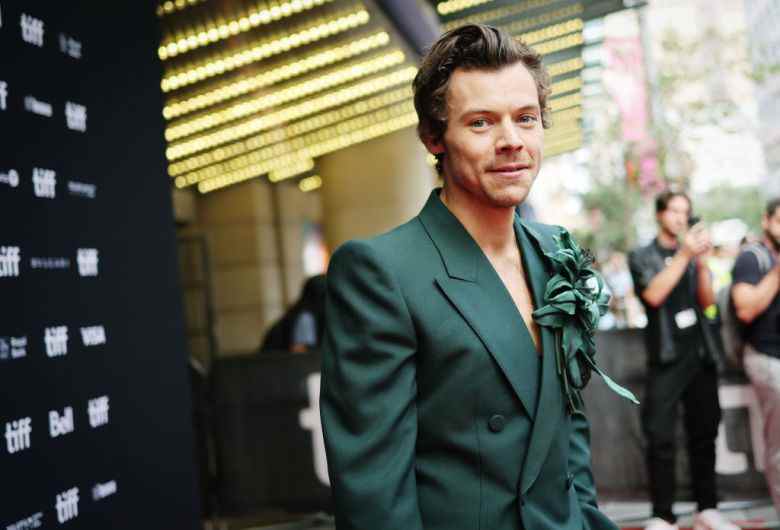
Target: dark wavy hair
663	198
474	46
771	206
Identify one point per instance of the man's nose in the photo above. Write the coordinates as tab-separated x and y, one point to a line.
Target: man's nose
510	138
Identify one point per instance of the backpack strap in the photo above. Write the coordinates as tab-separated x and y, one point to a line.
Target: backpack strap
762	256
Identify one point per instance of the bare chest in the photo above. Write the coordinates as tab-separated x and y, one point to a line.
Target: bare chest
514	279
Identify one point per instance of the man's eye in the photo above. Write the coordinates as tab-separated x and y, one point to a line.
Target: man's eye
479	123
528	118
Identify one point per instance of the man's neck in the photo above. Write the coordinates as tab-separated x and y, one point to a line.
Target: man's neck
667	240
492	228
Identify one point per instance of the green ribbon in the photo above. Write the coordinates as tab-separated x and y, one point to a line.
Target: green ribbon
575	299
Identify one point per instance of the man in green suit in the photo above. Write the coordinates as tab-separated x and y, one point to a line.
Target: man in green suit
441	404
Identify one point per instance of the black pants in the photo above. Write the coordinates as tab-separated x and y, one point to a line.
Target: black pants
692	382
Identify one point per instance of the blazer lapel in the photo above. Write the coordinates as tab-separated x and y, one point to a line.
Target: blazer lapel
550	408
477	293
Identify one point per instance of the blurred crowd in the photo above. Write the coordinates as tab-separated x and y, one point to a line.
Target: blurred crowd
625	309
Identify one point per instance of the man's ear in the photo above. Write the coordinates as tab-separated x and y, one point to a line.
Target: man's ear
434	147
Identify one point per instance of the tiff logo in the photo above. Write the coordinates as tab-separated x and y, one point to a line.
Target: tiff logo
32	30
44	183
98	411
9	261
309	419
3	95
93	335
76	116
67	505
18	435
56	339
60	425
28	523
88	261
11	178
101	491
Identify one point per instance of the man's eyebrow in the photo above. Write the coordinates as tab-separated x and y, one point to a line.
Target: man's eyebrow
470	112
530	106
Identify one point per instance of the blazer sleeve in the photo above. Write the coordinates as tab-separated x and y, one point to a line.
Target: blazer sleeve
368	394
580	468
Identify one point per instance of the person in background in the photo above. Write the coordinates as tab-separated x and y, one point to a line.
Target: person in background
618	277
720	263
674	285
755	293
300	328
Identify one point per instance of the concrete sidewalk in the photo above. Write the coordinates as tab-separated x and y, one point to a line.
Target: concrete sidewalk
628	515
757	513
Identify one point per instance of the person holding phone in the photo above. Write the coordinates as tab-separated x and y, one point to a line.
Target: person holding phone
674	285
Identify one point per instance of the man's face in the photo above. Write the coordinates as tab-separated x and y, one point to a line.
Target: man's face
493	143
674	220
771	226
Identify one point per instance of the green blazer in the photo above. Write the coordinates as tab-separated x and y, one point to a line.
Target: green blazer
438	412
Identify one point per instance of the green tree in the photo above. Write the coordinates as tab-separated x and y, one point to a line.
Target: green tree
730	202
611	208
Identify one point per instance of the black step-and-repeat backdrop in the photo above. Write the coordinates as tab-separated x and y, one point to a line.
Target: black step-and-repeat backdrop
95	415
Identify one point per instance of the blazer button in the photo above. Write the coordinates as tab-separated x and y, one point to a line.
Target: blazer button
497	423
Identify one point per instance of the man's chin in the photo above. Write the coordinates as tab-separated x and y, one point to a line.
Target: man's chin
672	232
509	196
507	199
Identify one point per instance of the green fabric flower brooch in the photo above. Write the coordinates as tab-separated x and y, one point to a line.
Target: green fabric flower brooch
575	299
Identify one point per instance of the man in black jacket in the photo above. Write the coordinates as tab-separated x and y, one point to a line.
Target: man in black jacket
674	285
756	297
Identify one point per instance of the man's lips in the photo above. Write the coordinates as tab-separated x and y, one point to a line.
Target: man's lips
510	168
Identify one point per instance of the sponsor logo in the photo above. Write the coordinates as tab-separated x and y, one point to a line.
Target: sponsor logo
93	335
9	261
56	339
11	178
49	263
13	348
88	261
101	491
32	521
82	189
67	505
18	347
60	425
44	183
3	95
98	411
32	30
70	46
75	116
36	106
18	434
